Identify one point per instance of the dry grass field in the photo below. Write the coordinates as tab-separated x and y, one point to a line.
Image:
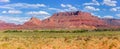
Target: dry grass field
46	40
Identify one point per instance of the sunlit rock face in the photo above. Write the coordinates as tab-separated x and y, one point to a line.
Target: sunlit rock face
75	19
33	22
66	20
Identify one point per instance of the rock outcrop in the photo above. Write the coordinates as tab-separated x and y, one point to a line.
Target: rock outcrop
74	20
4	25
66	20
33	22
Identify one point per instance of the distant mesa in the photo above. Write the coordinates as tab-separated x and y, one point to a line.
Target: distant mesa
2	21
67	20
4	25
33	22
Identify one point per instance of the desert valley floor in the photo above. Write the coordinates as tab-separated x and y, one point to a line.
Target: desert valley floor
29	39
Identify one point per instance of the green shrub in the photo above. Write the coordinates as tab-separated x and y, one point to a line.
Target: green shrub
12	31
79	31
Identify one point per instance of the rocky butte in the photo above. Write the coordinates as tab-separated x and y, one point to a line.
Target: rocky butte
33	22
73	20
69	20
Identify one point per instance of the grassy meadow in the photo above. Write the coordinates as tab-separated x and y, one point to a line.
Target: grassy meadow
35	39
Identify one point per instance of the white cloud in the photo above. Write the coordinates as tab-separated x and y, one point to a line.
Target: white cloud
5	7
69	7
110	2
118	15
17	19
94	2
108	16
21	5
38	13
66	7
12	12
4	0
46	17
4	12
91	8
115	9
63	5
12	19
95	15
56	9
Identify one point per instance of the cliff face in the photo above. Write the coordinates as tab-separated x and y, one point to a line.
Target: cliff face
114	22
76	19
33	22
66	20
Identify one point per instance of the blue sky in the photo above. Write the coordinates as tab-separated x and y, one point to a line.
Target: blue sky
19	11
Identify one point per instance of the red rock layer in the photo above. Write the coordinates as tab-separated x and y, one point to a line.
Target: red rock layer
66	20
